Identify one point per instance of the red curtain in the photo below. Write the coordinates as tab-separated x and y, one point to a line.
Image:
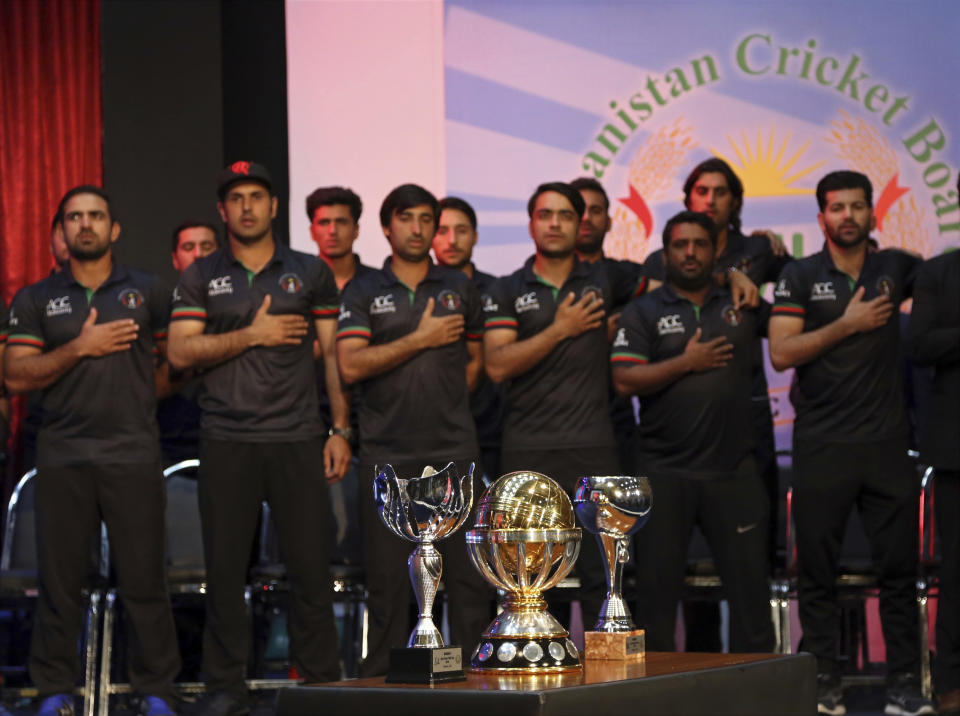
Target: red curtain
50	135
50	124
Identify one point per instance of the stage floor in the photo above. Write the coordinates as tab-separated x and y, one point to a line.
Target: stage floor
674	683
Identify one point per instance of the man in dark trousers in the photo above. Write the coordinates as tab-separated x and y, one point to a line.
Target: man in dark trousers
836	321
86	337
686	351
934	341
453	247
409	337
249	314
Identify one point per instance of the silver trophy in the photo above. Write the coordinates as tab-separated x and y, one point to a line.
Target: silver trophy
613	508
424	510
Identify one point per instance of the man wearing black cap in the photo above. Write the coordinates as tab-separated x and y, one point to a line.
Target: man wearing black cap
249	313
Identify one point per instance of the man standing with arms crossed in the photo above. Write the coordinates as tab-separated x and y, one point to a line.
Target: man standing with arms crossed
835	320
86	336
409	336
248	314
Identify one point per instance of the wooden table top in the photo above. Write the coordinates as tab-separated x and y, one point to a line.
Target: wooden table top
594	672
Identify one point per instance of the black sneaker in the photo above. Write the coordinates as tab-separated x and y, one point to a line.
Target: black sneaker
218	703
904	697
829	696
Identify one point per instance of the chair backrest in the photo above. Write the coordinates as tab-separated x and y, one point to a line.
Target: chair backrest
183	533
20	534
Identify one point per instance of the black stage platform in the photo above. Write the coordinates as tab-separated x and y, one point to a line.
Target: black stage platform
664	683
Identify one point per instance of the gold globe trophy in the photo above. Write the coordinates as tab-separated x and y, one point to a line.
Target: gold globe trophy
525	540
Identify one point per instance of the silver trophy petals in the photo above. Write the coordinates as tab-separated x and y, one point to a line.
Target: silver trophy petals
424	510
613	508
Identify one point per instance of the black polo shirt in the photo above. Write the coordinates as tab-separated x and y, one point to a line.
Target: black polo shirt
935	341
486	402
356	393
102	409
3	322
564	399
264	394
700	424
419	410
854	391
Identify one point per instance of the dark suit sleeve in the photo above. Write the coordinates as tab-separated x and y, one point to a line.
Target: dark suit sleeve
930	341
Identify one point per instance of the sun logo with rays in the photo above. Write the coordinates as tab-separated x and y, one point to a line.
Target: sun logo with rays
764	173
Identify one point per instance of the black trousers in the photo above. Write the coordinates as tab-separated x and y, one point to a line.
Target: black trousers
469	596
234	478
877	477
567	466
947	512
70	503
732	514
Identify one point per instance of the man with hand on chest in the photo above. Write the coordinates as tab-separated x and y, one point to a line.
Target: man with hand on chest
409	336
248	314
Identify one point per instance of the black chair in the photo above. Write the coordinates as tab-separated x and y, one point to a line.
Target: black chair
19	585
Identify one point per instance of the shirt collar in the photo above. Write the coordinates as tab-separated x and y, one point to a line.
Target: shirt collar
433	272
118	272
280	252
671	296
580	269
868	260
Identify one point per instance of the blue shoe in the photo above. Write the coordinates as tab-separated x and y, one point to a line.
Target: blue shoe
155	706
56	705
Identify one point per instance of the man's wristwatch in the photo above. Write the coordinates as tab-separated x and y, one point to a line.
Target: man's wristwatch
345	433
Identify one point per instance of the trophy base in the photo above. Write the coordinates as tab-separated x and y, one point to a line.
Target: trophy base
618	646
525	655
426	665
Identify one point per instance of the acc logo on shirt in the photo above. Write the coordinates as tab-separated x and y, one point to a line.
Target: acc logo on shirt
489	305
59	306
131	298
382	304
290	282
219	286
823	291
621	340
885	286
732	316
669	324
527	302
449	300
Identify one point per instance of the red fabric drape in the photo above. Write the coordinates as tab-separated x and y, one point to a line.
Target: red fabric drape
50	124
50	134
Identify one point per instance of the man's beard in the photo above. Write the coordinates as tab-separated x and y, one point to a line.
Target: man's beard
556	253
88	253
591	244
863	233
684	282
250	240
414	257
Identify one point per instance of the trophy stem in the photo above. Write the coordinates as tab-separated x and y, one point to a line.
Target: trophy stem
425	568
614	613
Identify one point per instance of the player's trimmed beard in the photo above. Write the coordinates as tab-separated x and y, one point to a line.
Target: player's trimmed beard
250	239
84	253
555	253
591	244
863	234
413	257
694	282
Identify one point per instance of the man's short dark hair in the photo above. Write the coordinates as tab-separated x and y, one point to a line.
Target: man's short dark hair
407	196
560	188
843	179
83	189
712	166
332	195
689	217
192	224
591	184
458	204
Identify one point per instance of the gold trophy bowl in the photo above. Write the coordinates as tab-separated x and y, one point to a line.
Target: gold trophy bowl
525	540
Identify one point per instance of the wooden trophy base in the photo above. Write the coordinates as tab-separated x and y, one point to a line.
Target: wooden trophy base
623	646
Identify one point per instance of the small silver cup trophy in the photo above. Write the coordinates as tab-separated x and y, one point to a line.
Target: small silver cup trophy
424	510
613	508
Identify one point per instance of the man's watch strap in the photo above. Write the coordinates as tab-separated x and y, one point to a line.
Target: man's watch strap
345	433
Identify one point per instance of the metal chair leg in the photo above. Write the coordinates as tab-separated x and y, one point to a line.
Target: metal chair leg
90	653
106	653
926	681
